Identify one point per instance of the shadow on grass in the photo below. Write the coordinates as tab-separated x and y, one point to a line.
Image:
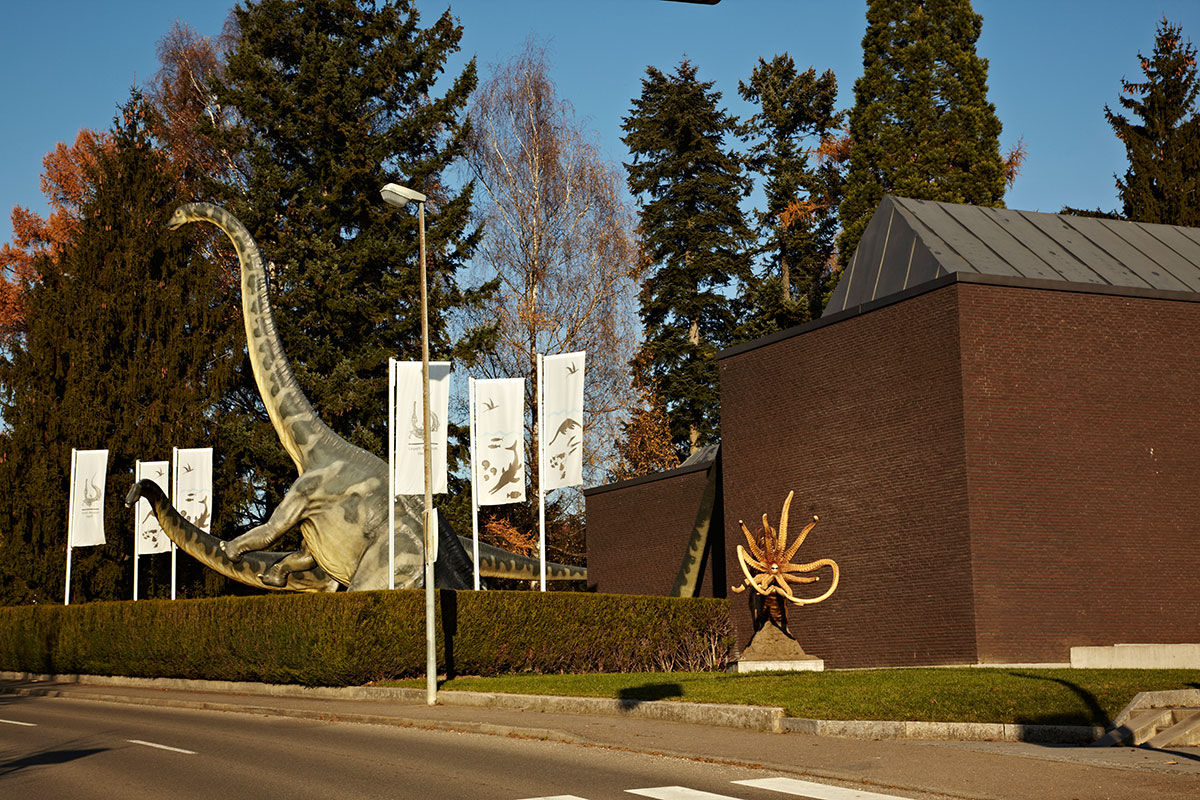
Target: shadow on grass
1095	715
633	695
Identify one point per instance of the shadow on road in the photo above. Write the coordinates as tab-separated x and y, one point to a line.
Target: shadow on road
46	758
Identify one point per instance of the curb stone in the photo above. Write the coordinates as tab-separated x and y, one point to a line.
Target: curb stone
760	718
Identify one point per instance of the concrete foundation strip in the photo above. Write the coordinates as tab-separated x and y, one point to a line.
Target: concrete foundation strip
760	718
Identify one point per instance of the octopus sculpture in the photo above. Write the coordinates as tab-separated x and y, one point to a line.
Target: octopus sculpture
770	558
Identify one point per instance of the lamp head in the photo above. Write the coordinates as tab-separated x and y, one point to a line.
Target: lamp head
399	196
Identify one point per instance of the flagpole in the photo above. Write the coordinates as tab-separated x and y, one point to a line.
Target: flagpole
541	424
137	476
70	526
392	472
175	502
474	484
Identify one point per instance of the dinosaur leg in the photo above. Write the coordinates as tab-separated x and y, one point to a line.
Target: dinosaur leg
277	573
285	517
372	571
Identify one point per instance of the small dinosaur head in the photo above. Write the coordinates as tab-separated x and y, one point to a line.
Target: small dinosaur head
177	220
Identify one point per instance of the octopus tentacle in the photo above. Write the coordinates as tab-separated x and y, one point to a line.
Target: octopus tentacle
783	522
791	551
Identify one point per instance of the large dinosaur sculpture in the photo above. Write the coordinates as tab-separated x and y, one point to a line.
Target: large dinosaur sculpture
340	500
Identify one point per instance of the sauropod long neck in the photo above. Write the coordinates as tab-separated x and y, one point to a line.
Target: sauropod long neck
296	423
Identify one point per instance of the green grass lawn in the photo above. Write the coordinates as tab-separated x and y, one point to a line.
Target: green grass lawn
1012	695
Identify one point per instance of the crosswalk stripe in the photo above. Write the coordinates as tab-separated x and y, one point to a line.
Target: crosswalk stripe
678	793
817	791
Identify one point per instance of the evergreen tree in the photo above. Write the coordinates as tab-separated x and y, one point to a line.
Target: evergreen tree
921	125
688	186
1162	140
335	98
122	325
794	138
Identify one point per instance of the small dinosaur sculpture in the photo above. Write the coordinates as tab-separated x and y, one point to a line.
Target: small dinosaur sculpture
340	500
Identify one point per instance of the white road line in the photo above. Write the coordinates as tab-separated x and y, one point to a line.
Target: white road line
14	722
817	791
161	747
678	793
557	797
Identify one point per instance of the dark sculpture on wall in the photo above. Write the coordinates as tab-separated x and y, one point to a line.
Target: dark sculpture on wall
340	500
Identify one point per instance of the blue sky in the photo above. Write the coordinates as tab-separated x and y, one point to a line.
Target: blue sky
1054	64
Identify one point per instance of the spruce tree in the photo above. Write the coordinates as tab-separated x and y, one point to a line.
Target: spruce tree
688	185
793	139
334	99
921	126
123	323
1162	134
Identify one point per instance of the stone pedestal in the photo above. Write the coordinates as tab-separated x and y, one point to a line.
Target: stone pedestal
772	649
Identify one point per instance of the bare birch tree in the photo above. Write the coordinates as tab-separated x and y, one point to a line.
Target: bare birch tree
559	235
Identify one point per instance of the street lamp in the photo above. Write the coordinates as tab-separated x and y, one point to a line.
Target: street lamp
400	196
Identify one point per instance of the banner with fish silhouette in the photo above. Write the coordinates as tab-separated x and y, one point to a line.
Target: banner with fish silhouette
191	485
498	443
562	420
148	536
85	525
408	426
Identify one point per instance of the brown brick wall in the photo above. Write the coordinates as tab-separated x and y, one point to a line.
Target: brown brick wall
638	533
1083	462
863	419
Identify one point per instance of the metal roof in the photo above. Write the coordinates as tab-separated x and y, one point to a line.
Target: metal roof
910	242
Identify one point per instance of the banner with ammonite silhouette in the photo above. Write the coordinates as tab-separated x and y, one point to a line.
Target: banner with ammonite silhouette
408	426
89	471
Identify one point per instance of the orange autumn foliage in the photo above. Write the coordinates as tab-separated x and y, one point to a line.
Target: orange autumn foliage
502	533
66	183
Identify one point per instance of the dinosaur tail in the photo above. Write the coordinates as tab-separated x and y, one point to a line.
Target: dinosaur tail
497	563
206	548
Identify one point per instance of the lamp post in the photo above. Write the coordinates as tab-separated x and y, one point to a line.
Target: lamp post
400	196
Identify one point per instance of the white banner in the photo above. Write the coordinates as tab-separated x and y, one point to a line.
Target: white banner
409	425
192	484
85	523
499	415
148	536
562	418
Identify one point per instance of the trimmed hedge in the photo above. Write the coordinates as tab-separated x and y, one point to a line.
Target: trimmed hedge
351	638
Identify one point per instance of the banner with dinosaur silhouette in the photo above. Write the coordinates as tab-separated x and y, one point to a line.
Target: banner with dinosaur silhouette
499	443
562	420
408	425
148	535
192	485
85	525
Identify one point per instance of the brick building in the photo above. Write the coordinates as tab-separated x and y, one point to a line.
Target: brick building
995	420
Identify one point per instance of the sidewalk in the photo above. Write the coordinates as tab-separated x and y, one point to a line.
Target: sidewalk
739	735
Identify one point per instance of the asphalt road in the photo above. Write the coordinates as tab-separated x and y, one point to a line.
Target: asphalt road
65	748
92	737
